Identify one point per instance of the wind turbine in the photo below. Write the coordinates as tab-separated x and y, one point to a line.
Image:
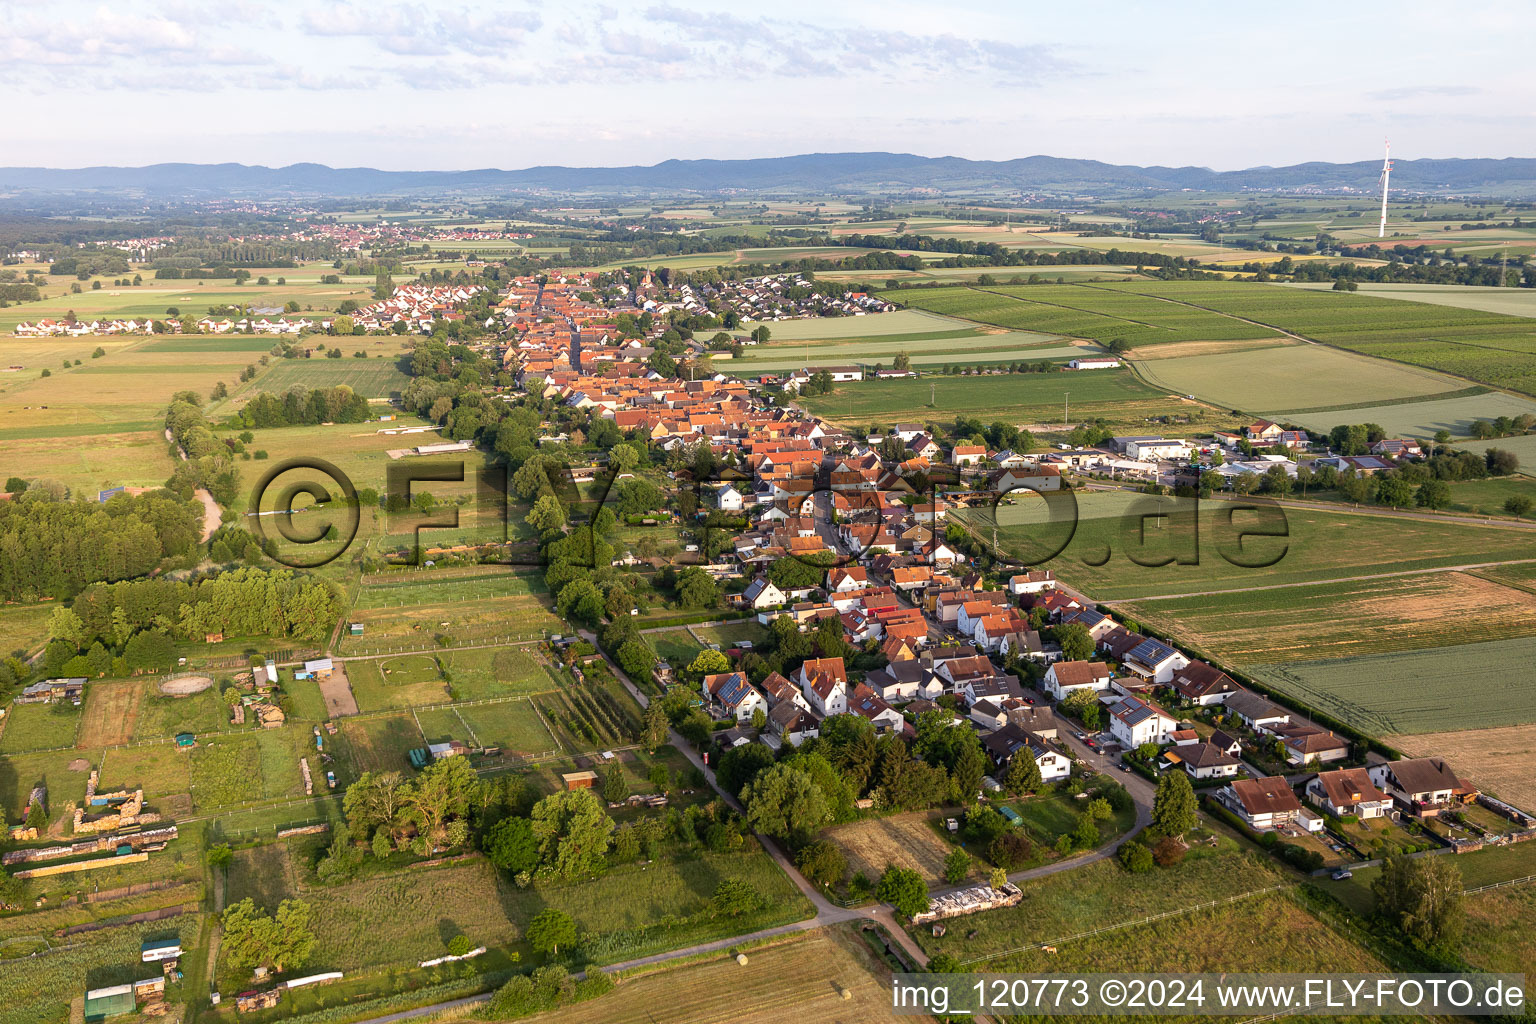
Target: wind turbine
1386	174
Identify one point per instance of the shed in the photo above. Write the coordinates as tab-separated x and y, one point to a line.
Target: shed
185	739
101	1003
1011	814
159	949
320	668
355	629
580	780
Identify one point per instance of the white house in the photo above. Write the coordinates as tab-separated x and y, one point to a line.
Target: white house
824	681
732	692
761	593
1423	786
729	499
1066	677
1256	712
1202	760
1154	661
1035	581
1156	449
1133	722
845	580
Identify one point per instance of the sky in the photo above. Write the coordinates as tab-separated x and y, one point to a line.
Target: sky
446	85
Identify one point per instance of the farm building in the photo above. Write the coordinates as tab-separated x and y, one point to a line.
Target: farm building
319	668
579	780
156	950
101	1003
1093	364
51	691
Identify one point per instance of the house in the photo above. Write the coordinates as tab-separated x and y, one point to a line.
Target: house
1032	582
1036	477
1031	718
1226	741
761	594
1154	661
1256	712
988	714
998	688
1094	621
1305	744
1024	643
868	704
1202	760
1397	448
1203	684
778	690
1264	803
792	723
824	681
909	679
1011	741
729	499
1421	786
1134	721
1263	430
846	580
967	454
733	693
1348	791
1066	677
52	691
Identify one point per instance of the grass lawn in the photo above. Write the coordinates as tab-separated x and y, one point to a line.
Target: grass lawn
161	716
1480	867
226	770
24	627
1096	895
159	768
20	772
407	683
677	646
732	633
380	743
1500	930
493	672
482	606
39	727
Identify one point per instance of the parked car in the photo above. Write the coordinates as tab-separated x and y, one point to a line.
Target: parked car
1343	873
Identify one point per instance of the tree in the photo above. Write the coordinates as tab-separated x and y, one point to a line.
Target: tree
902	362
623	457
1433	495
459	945
549	930
636	658
708	663
654	733
956	866
904	889
1394	491
547	514
64	624
1135	858
342	325
1173	807
280	942
511	845
734	897
1076	642
1422	896
785	803
739	766
1518	505
823	861
1023	774
697	589
219	855
573	832
1169	851
969	768
615	788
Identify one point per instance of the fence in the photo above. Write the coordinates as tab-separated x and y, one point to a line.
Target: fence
1180	912
472	643
1499	885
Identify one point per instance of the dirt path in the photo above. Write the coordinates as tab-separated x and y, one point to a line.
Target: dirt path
212	517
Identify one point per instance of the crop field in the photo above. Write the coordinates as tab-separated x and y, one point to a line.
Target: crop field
905	840
969	348
90	464
41	989
375	377
1508	301
1292	377
1316	546
902	321
1116	396
1101	314
39	727
797	980
357	449
1471	686
23	627
1423	419
1501	760
1375	616
1095	895
1485	347
111	712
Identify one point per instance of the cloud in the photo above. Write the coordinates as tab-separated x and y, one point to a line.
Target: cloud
1408	92
420	31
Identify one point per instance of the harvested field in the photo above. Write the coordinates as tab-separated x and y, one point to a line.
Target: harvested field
184	686
801	979
906	840
111	713
1501	761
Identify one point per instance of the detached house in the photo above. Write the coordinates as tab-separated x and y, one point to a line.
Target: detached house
1348	791
733	693
1202	684
1133	722
1066	677
1421	786
868	704
792	724
1256	712
847	580
761	594
1032	582
1154	661
1263	803
1202	760
824	681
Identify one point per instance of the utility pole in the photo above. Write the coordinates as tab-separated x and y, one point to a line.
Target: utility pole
1066	419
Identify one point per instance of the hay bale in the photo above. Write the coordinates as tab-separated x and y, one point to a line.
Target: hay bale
741	958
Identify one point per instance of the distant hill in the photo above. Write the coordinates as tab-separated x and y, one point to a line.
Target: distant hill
823	172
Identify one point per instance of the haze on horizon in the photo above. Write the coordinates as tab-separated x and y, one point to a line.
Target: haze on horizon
418	86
